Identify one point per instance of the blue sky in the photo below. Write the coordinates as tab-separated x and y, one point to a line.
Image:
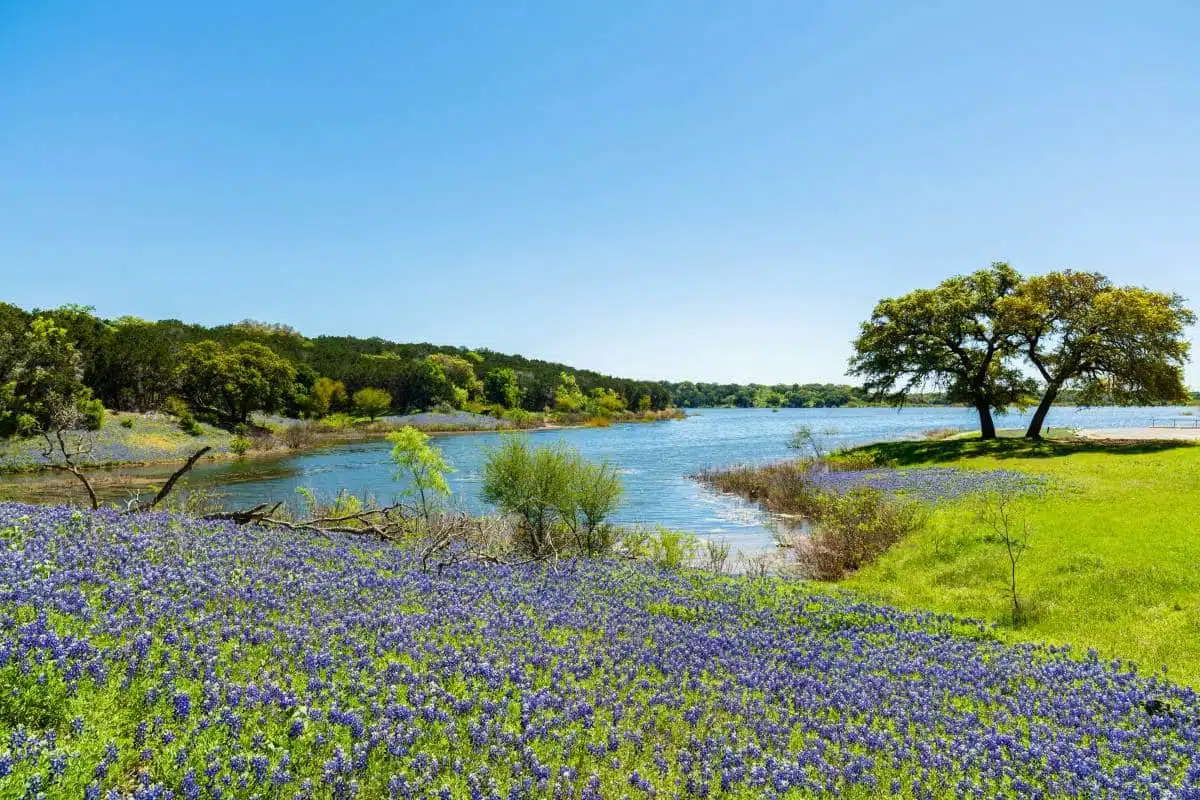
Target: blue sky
683	190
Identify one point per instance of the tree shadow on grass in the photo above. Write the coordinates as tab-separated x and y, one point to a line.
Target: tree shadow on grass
909	453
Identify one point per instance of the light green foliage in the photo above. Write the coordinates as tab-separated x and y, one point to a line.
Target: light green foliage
568	397
663	547
343	504
1111	564
561	500
606	402
372	402
766	397
1122	344
177	408
805	439
533	484
500	386
422	465
327	395
460	372
239	445
593	495
232	382
41	384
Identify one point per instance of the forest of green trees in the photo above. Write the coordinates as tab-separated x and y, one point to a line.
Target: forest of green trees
227	371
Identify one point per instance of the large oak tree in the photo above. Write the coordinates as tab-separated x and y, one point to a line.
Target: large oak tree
948	337
1119	344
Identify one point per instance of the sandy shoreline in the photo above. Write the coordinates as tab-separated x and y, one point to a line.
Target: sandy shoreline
1142	434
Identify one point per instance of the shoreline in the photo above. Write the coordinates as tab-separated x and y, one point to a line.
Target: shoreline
328	438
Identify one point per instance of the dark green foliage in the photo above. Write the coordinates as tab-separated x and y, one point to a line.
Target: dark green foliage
132	365
1120	344
231	382
500	386
809	395
41	388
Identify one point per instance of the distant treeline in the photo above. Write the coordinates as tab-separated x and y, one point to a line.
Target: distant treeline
132	364
687	394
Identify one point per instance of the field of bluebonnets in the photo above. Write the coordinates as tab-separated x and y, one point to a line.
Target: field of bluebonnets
150	437
931	484
161	657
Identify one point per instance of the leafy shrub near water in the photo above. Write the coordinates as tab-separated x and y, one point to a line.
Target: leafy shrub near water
664	548
849	530
561	500
240	445
299	435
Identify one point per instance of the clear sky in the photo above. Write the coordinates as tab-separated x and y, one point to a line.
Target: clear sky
686	190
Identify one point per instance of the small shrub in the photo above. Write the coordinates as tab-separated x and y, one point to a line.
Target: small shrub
593	495
850	461
299	435
187	420
127	423
240	445
850	530
716	555
521	416
670	549
337	421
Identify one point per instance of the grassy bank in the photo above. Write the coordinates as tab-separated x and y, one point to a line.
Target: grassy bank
1114	554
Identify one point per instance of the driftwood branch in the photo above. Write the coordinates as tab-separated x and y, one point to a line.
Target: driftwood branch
375	521
175	476
68	453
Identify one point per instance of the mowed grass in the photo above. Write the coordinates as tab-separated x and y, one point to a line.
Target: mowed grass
1114	551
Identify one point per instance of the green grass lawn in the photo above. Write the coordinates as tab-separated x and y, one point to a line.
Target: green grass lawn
1114	555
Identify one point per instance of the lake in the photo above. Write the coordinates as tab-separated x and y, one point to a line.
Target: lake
655	460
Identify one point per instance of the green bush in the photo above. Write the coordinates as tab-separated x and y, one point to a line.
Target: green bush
127	423
183	415
239	445
850	530
562	501
337	421
663	547
372	402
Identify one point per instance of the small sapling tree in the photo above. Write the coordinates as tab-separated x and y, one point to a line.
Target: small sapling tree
1013	534
422	465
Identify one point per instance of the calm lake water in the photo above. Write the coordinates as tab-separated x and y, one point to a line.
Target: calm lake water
655	460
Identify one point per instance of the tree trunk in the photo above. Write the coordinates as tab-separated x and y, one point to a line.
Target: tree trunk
987	427
1034	431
